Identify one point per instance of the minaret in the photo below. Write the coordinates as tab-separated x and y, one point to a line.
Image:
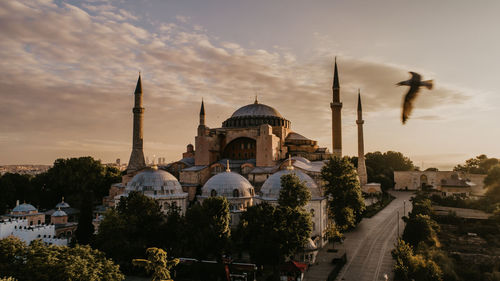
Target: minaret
336	107
202	114
363	177
136	161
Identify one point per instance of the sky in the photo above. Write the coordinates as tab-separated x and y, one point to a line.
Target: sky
69	70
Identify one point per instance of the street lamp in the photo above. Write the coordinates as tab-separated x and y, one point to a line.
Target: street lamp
404	207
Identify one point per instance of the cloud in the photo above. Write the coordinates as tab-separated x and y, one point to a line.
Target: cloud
70	71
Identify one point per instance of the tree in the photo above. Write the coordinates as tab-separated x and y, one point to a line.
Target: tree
12	251
271	234
380	167
420	228
478	165
127	231
156	262
413	267
74	178
432	169
345	202
15	187
85	231
493	176
207	228
293	193
42	262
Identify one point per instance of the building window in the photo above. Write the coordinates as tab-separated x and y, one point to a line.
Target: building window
314	226
213	193
236	193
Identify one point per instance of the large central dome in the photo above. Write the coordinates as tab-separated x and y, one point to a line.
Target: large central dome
256	109
256	114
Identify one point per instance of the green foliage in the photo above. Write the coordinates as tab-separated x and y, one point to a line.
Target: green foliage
431	169
420	228
421	207
383	200
74	178
413	267
345	202
127	231
478	165
85	230
157	263
208	228
12	251
42	262
273	233
16	187
293	193
493	176
380	167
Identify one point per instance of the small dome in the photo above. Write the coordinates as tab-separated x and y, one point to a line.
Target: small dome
24	208
153	180
62	204
229	185
59	213
272	186
256	109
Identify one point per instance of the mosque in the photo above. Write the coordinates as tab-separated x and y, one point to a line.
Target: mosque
242	160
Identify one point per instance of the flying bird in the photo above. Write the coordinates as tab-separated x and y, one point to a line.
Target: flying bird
415	83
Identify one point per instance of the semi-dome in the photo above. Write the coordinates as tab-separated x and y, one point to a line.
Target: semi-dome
153	180
256	114
229	185
24	208
272	186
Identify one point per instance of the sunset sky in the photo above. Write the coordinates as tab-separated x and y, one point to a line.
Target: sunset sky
69	70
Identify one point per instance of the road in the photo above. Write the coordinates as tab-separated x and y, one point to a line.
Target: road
368	247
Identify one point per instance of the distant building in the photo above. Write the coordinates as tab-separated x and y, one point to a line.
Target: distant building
447	182
26	223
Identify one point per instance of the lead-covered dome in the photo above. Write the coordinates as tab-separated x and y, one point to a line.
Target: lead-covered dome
256	109
229	185
254	115
24	208
59	213
272	186
155	182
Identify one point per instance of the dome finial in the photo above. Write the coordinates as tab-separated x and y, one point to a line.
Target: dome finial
256	101
289	167
227	166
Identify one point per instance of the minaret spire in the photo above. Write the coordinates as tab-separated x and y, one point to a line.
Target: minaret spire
363	176
202	113
336	106
136	161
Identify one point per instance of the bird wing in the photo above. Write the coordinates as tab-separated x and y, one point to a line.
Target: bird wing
408	102
415	76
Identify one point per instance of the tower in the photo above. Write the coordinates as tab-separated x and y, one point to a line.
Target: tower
363	177
136	161
336	107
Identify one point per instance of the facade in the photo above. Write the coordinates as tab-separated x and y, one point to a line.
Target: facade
447	182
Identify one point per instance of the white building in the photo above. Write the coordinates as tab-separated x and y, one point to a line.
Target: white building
22	227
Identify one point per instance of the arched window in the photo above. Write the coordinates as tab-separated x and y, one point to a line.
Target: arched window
236	193
213	193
